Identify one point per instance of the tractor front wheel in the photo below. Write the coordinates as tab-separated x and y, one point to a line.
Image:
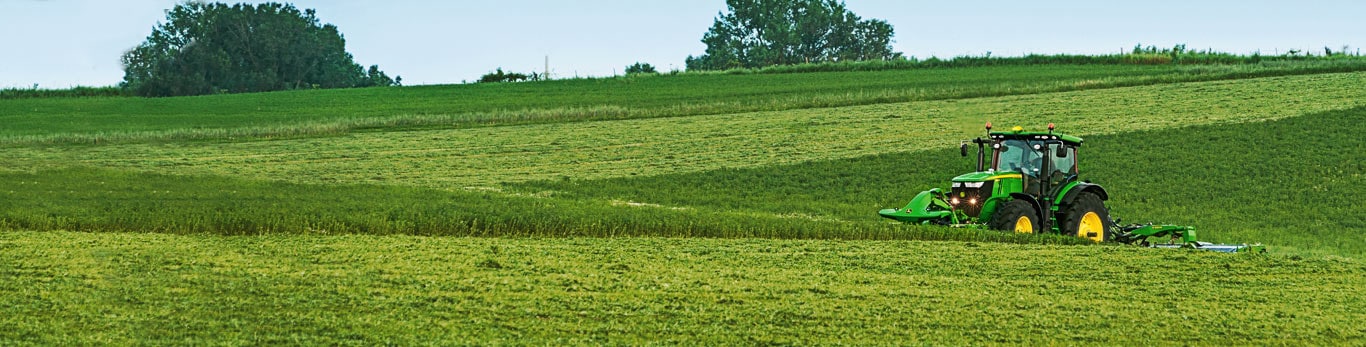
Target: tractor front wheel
1016	215
1087	218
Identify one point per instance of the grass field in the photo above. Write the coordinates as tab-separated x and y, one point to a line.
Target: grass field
1302	172
681	213
130	288
484	157
330	112
809	173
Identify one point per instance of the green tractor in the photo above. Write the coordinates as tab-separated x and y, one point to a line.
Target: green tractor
1028	182
1028	185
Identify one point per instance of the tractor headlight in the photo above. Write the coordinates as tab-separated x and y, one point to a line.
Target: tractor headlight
974	184
972	201
953	201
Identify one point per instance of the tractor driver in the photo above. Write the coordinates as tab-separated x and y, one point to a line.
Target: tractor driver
1020	156
1064	164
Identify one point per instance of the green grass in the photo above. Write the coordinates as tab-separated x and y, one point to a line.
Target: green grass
457	216
102	200
1202	176
331	112
486	157
1290	183
804	174
66	288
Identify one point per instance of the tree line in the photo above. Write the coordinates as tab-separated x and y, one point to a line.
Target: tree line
210	48
754	34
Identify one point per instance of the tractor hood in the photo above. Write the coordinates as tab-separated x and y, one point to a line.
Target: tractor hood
984	176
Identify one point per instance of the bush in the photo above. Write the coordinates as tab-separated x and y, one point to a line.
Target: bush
500	76
77	92
640	68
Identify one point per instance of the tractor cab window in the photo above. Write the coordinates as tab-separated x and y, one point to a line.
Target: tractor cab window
1020	156
1066	164
1017	156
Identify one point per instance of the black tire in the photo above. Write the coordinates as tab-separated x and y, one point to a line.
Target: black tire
1076	223
1007	217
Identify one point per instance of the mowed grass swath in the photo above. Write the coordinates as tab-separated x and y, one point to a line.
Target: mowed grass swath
129	288
486	157
331	112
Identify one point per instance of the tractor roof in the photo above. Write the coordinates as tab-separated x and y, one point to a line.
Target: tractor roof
1033	135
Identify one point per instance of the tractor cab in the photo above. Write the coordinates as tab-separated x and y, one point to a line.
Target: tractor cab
1031	157
1025	153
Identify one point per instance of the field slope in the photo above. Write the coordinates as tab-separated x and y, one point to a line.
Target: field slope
677	209
332	112
485	157
1288	182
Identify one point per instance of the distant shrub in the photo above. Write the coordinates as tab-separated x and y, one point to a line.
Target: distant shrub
500	76
77	92
640	68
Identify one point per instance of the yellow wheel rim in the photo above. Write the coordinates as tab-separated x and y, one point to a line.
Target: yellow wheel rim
1091	227
1024	225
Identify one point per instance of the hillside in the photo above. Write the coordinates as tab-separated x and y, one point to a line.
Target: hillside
453	181
332	112
641	208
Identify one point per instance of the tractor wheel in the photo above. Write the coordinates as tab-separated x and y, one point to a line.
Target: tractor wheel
1016	215
1086	217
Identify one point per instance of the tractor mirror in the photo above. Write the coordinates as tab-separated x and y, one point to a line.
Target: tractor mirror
963	147
1062	152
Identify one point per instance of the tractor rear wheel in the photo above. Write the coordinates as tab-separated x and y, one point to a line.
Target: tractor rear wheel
1086	217
1016	215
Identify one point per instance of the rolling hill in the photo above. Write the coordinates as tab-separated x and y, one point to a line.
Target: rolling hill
648	208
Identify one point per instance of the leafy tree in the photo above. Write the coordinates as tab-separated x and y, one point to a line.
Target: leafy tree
757	33
492	77
500	76
205	48
639	68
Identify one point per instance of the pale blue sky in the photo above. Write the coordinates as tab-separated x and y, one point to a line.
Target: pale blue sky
63	43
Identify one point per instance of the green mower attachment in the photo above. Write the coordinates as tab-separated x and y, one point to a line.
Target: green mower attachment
1178	236
928	206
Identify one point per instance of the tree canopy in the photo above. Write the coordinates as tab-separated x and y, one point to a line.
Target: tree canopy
206	48
758	33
